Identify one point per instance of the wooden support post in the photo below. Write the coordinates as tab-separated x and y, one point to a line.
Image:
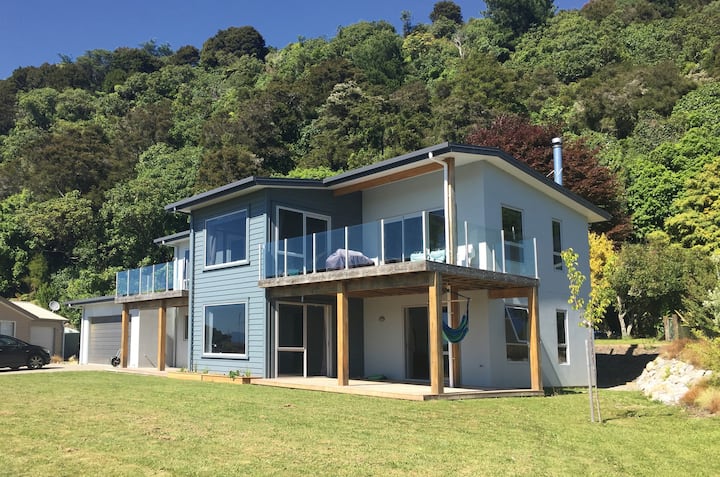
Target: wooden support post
343	337
455	312
437	379
162	339
535	369
124	334
451	220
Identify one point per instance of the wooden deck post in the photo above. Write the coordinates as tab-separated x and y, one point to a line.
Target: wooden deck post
343	337
437	379
535	369
162	339
455	367
124	334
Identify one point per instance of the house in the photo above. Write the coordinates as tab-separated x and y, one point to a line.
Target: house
33	324
141	292
360	274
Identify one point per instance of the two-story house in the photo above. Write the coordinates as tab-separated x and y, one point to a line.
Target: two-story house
439	267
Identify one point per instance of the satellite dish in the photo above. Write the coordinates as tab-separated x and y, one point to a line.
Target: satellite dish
54	306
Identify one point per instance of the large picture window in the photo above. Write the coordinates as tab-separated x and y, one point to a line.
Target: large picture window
226	239
226	329
516	333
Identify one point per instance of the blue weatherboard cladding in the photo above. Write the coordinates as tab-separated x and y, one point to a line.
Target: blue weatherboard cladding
234	284
238	283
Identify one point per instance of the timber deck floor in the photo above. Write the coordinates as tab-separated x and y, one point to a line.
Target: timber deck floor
391	390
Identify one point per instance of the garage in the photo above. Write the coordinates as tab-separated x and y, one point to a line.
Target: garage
44	336
104	342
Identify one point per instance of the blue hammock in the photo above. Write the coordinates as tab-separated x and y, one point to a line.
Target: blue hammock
456	335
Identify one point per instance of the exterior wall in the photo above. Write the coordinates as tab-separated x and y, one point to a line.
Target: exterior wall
403	197
238	284
90	311
500	189
385	340
481	191
24	326
230	285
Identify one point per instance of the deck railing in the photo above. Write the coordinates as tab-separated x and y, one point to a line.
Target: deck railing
155	278
392	241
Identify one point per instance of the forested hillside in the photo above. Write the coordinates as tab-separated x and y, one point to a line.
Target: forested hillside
92	148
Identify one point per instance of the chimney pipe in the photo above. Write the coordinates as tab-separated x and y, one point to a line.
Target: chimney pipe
557	159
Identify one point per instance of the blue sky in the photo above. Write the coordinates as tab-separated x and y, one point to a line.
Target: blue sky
33	32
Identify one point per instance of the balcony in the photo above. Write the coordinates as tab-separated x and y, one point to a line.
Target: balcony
164	280
418	238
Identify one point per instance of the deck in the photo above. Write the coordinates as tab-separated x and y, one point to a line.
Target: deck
391	390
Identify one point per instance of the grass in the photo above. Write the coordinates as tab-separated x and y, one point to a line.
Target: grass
116	424
639	342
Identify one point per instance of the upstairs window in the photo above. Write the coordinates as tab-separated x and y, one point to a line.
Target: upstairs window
226	239
557	246
513	232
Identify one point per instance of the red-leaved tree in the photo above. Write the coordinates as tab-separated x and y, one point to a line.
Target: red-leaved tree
582	174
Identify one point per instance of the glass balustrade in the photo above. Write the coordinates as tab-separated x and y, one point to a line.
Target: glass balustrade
155	278
394	241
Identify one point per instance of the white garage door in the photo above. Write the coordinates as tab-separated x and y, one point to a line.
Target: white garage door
105	333
43	336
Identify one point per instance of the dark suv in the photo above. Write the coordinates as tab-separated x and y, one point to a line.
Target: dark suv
15	353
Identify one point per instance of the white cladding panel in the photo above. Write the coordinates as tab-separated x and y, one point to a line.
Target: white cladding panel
481	192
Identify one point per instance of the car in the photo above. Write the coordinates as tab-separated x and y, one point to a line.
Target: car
15	353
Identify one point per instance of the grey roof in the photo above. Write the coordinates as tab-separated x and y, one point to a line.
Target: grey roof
239	187
169	239
387	166
90	301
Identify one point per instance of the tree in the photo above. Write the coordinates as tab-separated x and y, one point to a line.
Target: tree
228	45
134	213
446	9
649	283
582	172
519	16
697	220
603	258
570	46
375	49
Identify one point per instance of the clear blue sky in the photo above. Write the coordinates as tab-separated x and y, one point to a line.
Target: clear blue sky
33	32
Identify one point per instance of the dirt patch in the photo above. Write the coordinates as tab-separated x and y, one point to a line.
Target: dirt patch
620	364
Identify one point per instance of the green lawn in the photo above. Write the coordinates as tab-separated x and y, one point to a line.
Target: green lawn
103	423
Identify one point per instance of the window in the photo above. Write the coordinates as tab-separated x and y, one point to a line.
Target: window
516	333
557	246
7	328
405	239
226	239
226	329
302	241
513	233
561	318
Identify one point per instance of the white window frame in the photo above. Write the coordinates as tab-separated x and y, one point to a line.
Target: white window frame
557	254
511	244
424	217
14	327
565	344
206	354
303	348
243	261
519	342
306	215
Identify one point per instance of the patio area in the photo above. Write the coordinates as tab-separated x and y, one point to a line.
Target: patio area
391	390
